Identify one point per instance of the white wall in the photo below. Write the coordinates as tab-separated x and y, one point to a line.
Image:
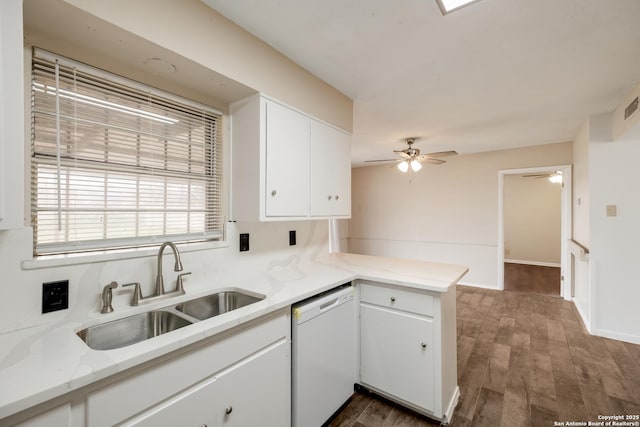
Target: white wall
202	35
614	176
581	186
446	213
580	233
532	220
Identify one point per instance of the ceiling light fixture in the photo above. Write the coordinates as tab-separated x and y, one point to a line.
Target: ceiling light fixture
403	166
448	6
556	177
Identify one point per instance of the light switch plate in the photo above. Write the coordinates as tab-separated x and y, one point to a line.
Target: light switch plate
612	210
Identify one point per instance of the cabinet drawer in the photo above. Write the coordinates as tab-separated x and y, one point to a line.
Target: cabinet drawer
399	299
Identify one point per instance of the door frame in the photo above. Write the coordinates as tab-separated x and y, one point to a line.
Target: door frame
565	229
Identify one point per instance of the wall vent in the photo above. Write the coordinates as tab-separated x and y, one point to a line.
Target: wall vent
631	108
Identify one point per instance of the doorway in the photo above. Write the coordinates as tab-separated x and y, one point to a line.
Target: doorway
534	223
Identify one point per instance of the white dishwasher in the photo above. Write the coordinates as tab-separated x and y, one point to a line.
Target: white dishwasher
323	356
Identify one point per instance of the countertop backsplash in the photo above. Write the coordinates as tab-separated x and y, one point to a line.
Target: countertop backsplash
22	287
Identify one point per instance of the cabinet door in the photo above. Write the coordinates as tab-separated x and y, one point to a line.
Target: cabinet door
330	164
396	354
287	162
59	417
192	408
256	392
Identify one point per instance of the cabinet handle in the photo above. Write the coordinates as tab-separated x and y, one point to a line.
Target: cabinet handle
337	197
273	193
329	198
424	345
228	410
393	299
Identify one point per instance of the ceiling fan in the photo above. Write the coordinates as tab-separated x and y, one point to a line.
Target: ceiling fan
411	157
553	176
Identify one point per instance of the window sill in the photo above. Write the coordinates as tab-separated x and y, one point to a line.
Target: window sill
48	261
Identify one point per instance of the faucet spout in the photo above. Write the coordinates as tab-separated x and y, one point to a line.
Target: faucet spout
177	266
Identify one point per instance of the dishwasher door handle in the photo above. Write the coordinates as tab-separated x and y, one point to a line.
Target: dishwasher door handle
329	304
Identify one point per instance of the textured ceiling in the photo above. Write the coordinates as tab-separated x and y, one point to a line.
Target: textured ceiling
496	74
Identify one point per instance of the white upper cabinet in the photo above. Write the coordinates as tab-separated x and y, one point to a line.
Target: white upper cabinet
286	165
287	162
330	169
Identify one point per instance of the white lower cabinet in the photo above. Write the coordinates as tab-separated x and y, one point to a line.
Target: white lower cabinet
397	354
193	408
240	377
408	347
59	417
252	392
256	392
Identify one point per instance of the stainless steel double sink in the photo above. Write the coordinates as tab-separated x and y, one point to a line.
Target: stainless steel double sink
140	327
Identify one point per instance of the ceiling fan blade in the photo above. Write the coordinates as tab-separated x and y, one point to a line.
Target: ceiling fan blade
442	153
429	159
434	161
381	160
402	153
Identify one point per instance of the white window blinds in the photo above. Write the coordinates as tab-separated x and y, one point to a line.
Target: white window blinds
116	164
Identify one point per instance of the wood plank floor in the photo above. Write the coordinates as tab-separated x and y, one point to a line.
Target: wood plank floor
523	360
532	278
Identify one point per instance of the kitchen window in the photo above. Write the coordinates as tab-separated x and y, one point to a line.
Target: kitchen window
117	164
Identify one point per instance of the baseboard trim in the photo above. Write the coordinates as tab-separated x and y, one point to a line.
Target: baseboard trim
538	263
448	414
633	339
583	316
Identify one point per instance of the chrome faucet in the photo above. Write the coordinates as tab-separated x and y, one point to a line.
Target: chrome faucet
176	267
137	297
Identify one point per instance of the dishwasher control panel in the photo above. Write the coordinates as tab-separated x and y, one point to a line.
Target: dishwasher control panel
317	305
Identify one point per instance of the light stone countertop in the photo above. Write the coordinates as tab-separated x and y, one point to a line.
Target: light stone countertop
48	361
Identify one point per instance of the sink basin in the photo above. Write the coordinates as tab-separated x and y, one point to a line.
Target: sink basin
130	330
218	303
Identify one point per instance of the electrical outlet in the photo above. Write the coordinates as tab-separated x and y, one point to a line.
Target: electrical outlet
612	210
55	296
244	242
292	237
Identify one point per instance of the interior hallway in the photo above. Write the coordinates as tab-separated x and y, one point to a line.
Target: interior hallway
532	278
524	359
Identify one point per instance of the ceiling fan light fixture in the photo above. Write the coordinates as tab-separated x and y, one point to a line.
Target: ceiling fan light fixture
403	166
415	165
556	178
